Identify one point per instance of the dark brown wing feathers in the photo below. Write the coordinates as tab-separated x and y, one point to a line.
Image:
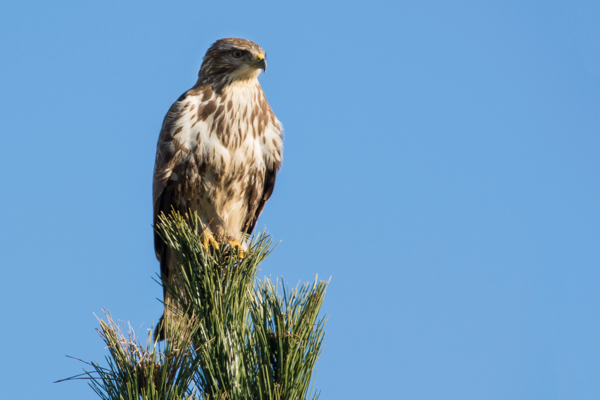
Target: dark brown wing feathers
162	191
270	175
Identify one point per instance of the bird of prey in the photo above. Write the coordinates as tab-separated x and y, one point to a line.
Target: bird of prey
219	150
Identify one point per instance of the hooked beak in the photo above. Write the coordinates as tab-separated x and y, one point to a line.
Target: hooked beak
261	62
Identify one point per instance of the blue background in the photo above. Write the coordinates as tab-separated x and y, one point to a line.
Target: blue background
441	166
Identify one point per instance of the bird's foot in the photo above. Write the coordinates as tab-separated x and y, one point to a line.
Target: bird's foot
208	240
235	244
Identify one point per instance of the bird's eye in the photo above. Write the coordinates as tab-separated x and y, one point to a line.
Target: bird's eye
237	53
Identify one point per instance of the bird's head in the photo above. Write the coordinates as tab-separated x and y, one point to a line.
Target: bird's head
232	59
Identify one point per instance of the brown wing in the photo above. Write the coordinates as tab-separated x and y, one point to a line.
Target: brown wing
269	185
168	157
255	208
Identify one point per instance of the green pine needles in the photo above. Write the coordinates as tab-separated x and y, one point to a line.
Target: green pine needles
229	335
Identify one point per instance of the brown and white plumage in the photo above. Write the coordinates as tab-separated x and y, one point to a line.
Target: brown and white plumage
219	149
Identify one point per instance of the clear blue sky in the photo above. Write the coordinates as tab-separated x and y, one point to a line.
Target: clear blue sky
441	166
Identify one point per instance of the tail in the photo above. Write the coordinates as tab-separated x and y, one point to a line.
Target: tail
159	330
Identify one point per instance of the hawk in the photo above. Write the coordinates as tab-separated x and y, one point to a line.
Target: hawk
219	150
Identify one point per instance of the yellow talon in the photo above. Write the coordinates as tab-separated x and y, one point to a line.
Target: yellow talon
208	240
235	244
